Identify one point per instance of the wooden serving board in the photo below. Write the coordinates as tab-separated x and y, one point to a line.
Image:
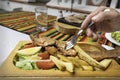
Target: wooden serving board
7	69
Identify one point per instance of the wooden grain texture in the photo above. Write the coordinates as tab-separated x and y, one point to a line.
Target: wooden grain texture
7	69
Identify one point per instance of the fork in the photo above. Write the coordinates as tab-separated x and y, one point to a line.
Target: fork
72	42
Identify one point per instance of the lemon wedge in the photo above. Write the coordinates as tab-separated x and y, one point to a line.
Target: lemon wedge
28	51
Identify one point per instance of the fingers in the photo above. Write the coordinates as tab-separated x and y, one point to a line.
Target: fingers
104	19
86	21
89	17
90	33
105	15
95	36
99	17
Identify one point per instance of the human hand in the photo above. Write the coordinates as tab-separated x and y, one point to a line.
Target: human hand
105	19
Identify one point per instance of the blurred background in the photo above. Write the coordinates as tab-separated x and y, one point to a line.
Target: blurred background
83	6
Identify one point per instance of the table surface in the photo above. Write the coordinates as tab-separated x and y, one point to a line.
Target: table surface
8	40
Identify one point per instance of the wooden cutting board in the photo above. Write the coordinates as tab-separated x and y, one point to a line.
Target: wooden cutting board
7	69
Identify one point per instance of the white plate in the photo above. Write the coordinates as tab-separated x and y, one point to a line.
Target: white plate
108	36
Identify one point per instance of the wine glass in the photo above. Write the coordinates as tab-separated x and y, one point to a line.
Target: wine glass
41	16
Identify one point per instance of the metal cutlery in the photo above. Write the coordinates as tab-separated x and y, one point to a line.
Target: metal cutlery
72	42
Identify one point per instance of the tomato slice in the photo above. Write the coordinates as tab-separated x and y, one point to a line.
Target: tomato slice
45	64
29	45
44	55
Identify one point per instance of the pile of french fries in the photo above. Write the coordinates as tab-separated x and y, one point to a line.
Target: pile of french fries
82	62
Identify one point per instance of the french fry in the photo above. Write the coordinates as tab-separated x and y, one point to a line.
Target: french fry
105	63
87	68
84	56
69	59
80	63
60	64
83	63
73	60
76	62
56	61
63	58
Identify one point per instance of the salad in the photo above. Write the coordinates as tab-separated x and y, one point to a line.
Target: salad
33	57
30	57
116	36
